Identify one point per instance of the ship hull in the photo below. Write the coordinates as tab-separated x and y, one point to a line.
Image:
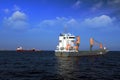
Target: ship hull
80	53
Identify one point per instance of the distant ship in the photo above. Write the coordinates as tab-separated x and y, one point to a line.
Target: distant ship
69	45
20	49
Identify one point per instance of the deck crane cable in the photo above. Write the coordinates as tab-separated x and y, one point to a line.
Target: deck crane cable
96	43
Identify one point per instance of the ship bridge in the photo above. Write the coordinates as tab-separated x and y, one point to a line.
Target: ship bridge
65	40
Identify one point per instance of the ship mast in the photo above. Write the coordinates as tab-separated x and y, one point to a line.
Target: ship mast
65	29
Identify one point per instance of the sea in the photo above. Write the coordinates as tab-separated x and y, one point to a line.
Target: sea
45	65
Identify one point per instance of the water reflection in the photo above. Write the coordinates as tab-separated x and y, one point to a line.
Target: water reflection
65	67
75	67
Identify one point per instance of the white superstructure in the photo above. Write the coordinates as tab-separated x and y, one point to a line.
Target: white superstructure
19	48
66	43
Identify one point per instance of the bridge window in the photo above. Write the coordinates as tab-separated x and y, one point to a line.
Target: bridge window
60	40
71	37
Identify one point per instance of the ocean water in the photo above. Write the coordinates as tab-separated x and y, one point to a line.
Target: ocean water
46	66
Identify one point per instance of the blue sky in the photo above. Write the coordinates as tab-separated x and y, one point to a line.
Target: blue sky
38	23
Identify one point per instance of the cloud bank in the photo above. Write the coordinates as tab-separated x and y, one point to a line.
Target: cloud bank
101	22
57	23
18	21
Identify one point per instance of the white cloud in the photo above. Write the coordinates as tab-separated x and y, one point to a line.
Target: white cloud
117	1
76	4
17	15
18	21
59	21
16	8
113	3
98	22
97	6
6	11
72	22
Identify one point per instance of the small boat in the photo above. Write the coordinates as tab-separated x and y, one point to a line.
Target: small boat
69	45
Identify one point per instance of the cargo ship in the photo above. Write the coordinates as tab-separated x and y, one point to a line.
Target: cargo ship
69	46
20	49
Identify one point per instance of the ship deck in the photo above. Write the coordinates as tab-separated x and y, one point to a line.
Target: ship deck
81	53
